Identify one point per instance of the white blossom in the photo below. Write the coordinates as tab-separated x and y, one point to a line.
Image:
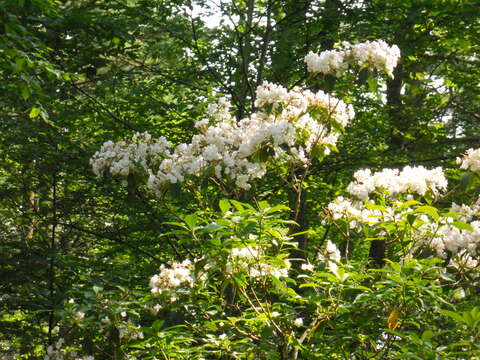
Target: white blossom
57	352
327	62
127	330
298	322
307	267
455	240
78	315
377	54
356	213
471	160
411	180
252	260
330	255
466	212
373	54
169	279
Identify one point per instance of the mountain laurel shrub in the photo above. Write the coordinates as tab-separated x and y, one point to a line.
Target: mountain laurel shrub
242	288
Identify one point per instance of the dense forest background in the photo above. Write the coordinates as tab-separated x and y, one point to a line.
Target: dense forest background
75	74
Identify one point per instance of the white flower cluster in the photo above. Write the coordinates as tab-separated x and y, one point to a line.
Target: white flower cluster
121	157
466	212
443	236
330	255
327	62
307	267
465	260
440	235
55	352
411	180
169	279
248	252
78	316
289	126
293	104
377	54
251	260
471	160
452	239
356	212
447	239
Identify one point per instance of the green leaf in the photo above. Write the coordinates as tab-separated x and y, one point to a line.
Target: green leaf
157	325
427	335
462	225
277	208
263	205
25	91
372	84
191	220
330	82
224	205
34	112
266	333
409	204
363	76
241	206
19	63
213	227
210	325
174	223
370	206
411	218
318	152
215	241
428	210
239	281
452	314
308	285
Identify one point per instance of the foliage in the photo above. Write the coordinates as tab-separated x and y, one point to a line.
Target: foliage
276	272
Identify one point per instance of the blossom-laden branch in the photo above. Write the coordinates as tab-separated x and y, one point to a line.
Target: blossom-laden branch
290	126
370	54
454	234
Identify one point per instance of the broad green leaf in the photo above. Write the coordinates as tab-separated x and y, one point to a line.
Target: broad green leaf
428	210
278	208
191	220
224	205
455	316
462	225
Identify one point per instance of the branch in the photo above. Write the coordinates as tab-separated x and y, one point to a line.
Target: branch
466	111
112	238
203	59
266	40
163	74
104	108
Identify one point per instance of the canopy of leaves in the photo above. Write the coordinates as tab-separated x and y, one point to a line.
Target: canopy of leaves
75	74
